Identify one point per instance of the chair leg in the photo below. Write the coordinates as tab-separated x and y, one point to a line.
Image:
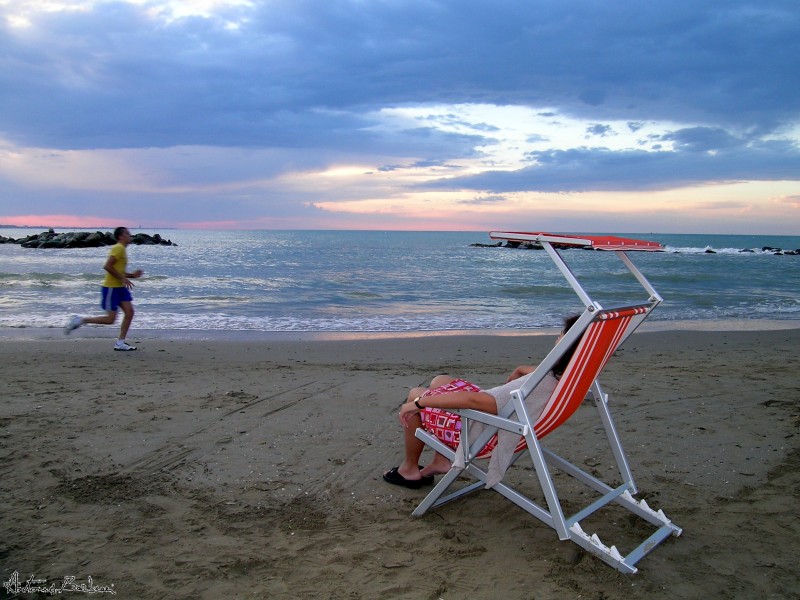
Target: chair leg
440	488
556	514
436	496
601	401
566	528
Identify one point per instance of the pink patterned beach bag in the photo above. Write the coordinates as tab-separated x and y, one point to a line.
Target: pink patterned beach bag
446	426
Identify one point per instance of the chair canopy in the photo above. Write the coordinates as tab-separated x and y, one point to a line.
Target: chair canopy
595	242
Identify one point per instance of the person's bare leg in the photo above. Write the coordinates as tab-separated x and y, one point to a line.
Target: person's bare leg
439	465
108	319
127	311
441	380
409	468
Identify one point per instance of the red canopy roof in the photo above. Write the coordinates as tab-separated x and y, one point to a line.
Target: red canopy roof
596	242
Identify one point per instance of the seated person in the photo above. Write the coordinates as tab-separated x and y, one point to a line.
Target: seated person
447	392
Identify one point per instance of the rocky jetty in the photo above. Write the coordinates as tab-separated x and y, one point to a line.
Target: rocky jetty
513	244
82	239
773	250
525	245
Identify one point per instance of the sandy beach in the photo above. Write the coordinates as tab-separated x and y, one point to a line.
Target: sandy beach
252	469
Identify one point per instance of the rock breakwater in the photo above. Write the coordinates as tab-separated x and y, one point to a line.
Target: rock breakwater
82	239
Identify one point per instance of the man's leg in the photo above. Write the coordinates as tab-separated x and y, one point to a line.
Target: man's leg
107	301
127	318
108	319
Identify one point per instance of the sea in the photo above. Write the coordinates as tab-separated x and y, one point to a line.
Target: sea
395	283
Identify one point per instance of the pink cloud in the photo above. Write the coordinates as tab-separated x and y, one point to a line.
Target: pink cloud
71	221
793	201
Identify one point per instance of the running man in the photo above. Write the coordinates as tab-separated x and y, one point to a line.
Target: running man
116	291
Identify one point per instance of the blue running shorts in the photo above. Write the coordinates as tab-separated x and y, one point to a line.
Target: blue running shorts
111	297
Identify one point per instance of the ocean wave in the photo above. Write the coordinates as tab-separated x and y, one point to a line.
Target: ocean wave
12	281
403	282
384	323
712	250
223	322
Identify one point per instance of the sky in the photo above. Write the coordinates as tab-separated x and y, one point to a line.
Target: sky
538	115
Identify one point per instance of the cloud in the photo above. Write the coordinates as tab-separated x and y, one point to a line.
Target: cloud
115	75
792	201
482	200
599	130
419	164
703	139
600	169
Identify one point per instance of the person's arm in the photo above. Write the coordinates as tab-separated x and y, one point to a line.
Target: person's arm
475	400
520	371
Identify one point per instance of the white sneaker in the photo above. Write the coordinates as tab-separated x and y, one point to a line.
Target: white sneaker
121	346
73	324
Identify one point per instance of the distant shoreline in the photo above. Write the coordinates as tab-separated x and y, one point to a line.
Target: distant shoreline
381	230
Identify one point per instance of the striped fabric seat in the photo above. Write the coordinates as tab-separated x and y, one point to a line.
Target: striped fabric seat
598	343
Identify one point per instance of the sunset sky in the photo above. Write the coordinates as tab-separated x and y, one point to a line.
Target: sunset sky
557	115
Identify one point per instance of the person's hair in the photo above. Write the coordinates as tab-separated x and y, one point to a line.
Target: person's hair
118	232
562	363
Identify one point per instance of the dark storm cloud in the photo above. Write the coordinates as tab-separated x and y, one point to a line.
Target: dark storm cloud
112	76
698	161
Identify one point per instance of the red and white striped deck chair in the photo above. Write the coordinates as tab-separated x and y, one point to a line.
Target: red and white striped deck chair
601	331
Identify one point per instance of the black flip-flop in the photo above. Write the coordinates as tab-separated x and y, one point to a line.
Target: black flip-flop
393	476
